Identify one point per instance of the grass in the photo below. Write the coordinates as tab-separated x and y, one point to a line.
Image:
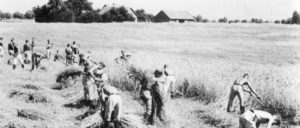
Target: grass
207	59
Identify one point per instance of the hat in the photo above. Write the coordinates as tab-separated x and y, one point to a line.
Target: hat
108	90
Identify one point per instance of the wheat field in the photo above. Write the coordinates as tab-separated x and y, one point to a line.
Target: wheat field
207	57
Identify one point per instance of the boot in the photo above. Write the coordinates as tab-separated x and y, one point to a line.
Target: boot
242	108
14	67
22	66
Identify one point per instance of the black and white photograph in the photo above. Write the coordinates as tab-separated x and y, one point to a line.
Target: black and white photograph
149	63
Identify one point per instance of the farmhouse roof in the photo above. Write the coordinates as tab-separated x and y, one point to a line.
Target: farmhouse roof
178	14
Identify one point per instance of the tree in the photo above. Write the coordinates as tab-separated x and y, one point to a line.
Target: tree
296	18
18	15
283	21
53	11
29	14
90	16
8	15
236	21
289	21
117	15
277	21
205	21
79	6
223	20
244	21
198	18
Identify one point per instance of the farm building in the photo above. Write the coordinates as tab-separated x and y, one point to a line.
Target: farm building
173	16
107	8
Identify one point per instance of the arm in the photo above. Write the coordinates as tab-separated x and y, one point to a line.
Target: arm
253	91
108	109
271	120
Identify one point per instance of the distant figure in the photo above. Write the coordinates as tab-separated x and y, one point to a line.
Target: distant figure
253	119
75	52
69	55
11	47
32	44
27	52
17	57
57	56
170	81
1	48
48	49
238	89
36	59
112	108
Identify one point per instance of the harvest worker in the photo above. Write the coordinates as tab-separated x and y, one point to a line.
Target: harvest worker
170	80
1	48
158	96
75	52
11	47
69	55
238	89
48	49
57	56
113	107
26	50
91	73
36	58
17	57
147	99
253	119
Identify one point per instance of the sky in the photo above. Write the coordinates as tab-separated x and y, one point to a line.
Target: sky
210	9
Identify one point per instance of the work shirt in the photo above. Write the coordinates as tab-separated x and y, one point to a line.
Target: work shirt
26	48
10	47
75	49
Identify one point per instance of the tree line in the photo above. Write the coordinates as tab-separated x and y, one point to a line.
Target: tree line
78	11
295	19
17	15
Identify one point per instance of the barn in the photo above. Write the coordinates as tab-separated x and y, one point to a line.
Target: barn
173	16
107	8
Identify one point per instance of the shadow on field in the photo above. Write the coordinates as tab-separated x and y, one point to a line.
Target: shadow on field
79	104
30	97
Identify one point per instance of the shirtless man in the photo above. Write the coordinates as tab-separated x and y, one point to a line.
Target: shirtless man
238	89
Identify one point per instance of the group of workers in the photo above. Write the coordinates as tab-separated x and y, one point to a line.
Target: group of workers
155	94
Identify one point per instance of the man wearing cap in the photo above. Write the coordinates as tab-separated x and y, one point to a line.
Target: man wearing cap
26	50
238	89
113	107
1	48
69	55
253	119
170	81
157	93
36	59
